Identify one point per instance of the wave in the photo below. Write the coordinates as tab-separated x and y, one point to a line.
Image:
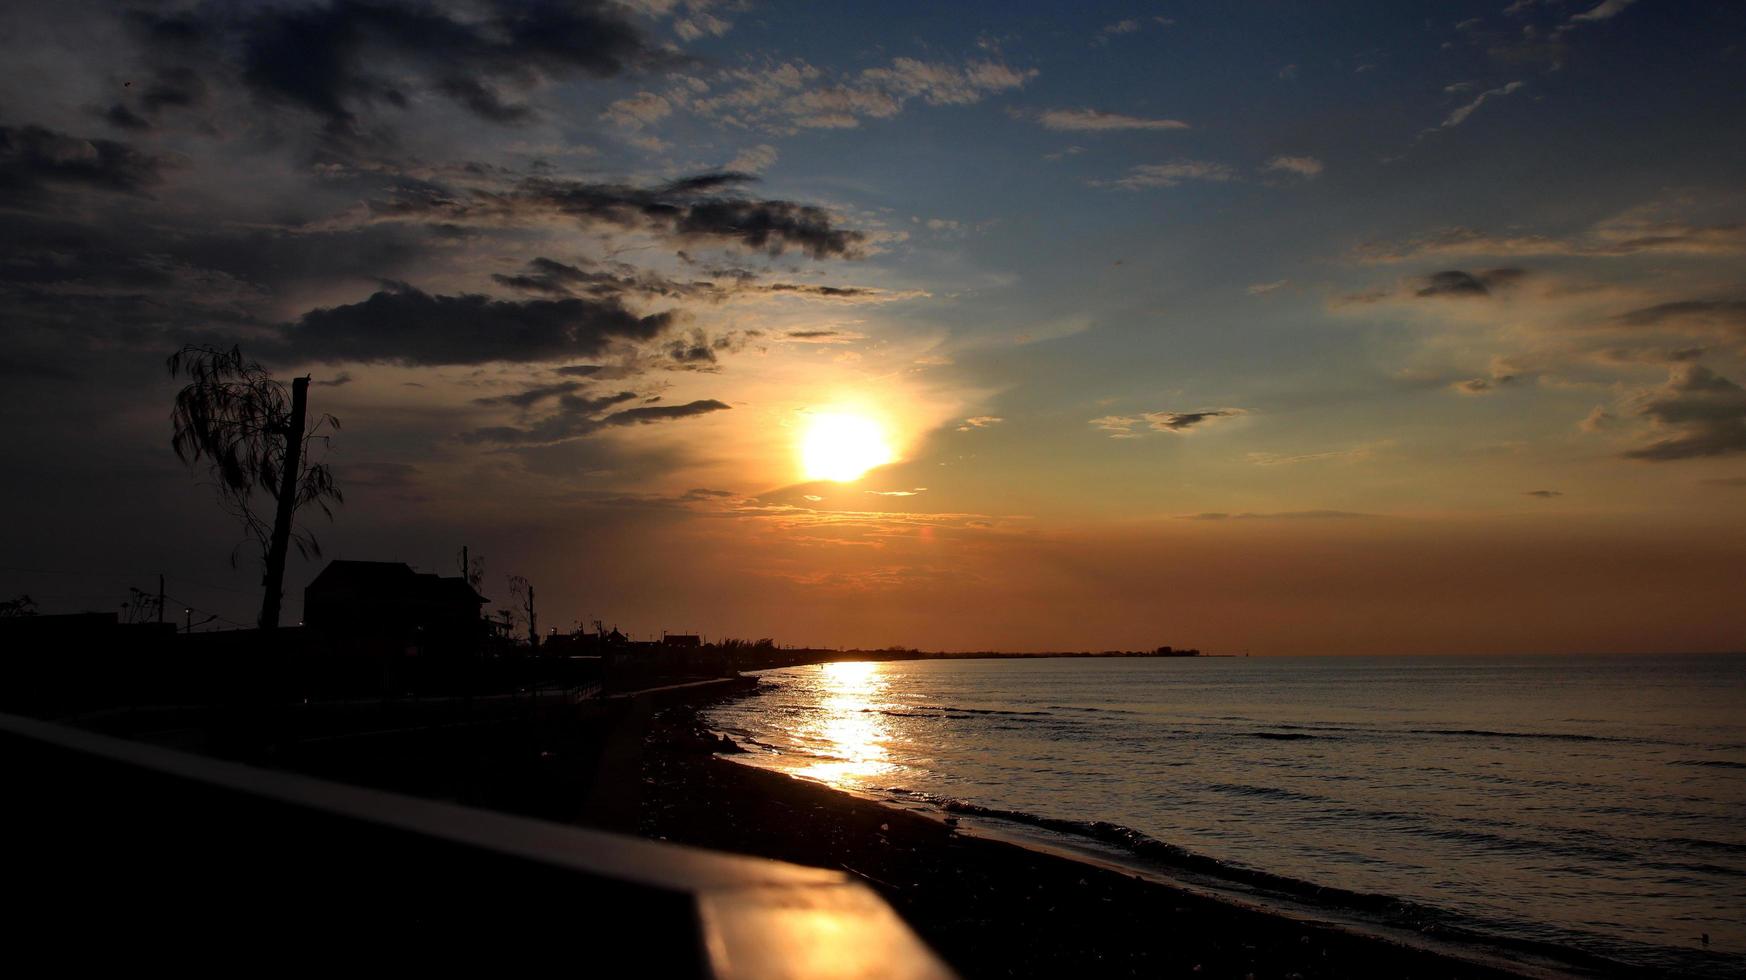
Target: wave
949	712
1711	763
1702	843
1548	736
1376	907
1266	792
1093	710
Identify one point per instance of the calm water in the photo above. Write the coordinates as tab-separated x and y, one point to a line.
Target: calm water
1598	803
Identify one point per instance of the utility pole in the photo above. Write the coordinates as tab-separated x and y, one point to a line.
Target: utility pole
288	479
160	598
188	621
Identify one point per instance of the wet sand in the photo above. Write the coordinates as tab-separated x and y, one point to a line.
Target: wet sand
990	908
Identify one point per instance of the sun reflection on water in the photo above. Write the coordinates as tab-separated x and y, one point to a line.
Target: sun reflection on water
849	727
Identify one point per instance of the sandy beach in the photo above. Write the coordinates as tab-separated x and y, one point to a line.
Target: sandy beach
991	908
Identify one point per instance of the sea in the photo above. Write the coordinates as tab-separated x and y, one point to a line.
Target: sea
1558	811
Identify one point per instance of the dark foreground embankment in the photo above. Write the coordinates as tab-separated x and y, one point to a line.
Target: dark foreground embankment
993	909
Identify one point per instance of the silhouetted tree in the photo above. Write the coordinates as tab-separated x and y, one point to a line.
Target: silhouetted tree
523	591
252	435
13	608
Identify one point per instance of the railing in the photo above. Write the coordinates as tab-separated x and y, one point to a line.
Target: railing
125	854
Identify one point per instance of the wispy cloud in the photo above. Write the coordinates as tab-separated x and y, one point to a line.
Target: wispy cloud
1131	25
1302	166
788	96
1354	454
1461	113
753	160
1606	10
1096	120
979	422
1603	11
1125	426
1630	234
1676	225
637	111
1152	175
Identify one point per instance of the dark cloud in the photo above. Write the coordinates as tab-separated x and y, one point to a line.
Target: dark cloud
532	396
1454	283
553	278
174	50
32	156
545	275
159	278
1725	314
698	208
1123	426
1701	412
832	292
121	117
694	352
171	87
1543	494
665	413
694	208
1505	372
338	58
405	325
483	101
340	379
578	416
1181	421
768	226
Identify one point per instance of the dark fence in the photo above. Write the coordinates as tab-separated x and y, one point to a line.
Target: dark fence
121	855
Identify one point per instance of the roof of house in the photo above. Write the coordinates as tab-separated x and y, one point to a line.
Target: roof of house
390	577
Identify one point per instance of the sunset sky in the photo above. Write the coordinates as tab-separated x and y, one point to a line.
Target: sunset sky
1368	328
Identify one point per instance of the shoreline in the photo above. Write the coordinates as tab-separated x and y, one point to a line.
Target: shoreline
996	906
1371	916
1519	906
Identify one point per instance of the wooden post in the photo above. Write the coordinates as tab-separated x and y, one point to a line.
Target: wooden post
274	581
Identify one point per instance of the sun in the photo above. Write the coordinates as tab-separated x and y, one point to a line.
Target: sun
841	447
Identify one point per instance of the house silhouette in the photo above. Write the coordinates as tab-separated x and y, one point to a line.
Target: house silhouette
385	605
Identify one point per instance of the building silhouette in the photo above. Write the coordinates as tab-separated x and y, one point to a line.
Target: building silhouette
381	606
